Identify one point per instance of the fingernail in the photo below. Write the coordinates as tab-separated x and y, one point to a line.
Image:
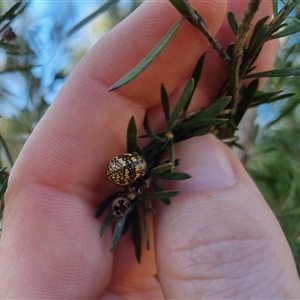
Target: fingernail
206	160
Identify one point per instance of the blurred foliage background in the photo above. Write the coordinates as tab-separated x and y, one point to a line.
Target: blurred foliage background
39	48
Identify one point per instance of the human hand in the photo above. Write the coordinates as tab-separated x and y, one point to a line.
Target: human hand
218	238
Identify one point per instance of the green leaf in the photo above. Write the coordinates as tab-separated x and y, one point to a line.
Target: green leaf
262	100
233	22
93	15
258	34
173	176
9	48
3	188
204	123
177	4
131	136
117	233
6	151
136	235
247	97
159	195
104	204
183	100
159	169
275	8
290	29
146	229
158	188
149	131
196	76
145	206
165	102
148	59
11	12
276	73
106	222
212	110
172	154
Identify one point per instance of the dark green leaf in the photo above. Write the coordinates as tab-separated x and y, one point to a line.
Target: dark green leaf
11	12
200	132
145	206
212	110
149	131
106	222
172	154
165	102
9	48
290	29
258	34
146	229
3	188
148	59
159	195
276	73
104	204
131	136
6	151
204	123
159	169
247	97
233	22
196	76
93	15
183	100
275	8
117	233
173	176
136	235
256	102
158	188
177	4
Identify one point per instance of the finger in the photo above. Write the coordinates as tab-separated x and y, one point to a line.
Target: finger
218	238
60	174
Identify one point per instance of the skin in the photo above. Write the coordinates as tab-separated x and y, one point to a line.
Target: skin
218	238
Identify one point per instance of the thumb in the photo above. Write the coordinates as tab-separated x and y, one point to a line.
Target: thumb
218	238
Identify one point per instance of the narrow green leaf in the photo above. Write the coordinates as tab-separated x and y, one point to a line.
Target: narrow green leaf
183	100
233	22
258	34
200	132
3	188
11	12
177	4
136	235
290	29
204	123
148	59
6	151
158	195
104	204
131	136
106	222
146	229
173	176
145	206
117	233
172	155
212	110
276	73
247	97
165	102
275	8
196	76
158	188
256	102
159	169
149	131
10	48
90	17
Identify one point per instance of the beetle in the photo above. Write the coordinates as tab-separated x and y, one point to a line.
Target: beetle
126	168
